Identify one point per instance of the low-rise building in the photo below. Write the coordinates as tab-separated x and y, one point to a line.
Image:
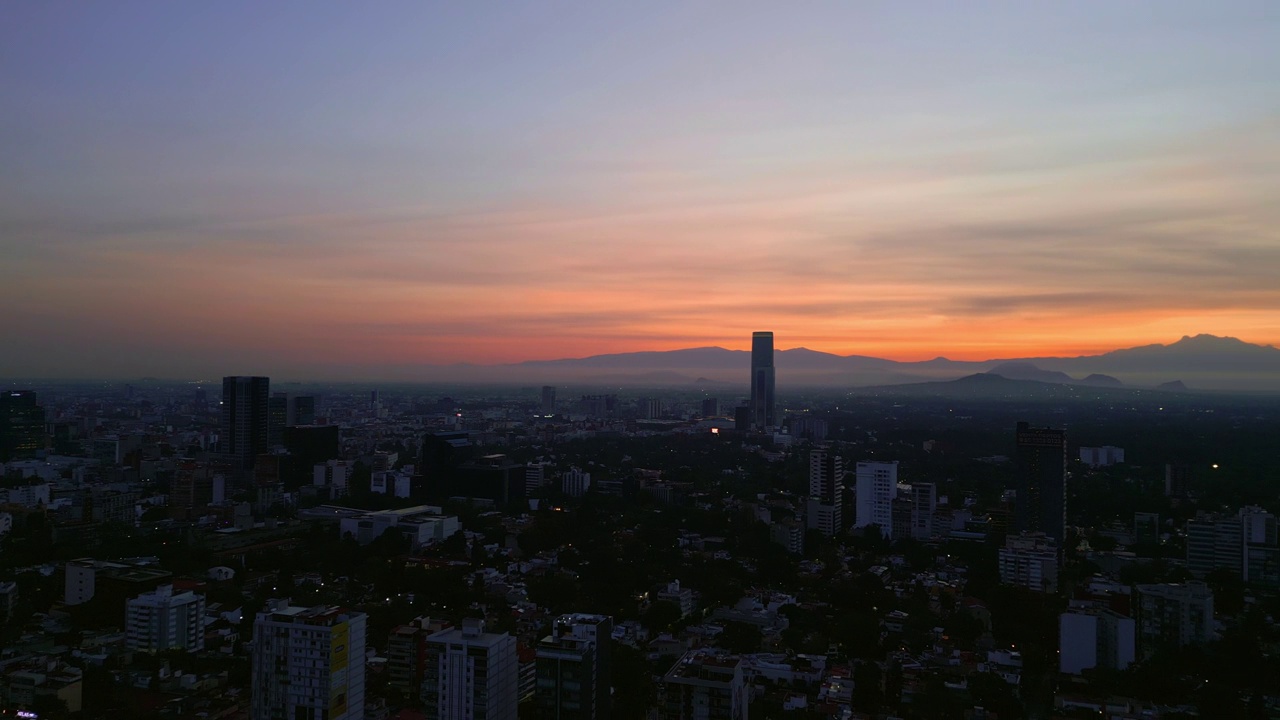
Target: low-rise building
704	684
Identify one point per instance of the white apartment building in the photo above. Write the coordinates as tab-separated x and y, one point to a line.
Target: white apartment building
1031	561
471	674
877	486
162	620
308	663
575	482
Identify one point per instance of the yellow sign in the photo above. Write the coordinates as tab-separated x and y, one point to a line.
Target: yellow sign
338	662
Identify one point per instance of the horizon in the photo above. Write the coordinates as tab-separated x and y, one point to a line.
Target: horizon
194	188
345	376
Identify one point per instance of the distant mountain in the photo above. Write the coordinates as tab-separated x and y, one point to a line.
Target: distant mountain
983	385
1100	380
1205	361
1028	371
1174	386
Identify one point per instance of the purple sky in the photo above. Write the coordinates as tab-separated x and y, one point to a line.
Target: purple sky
320	189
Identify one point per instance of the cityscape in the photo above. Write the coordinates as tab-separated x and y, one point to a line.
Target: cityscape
265	550
710	360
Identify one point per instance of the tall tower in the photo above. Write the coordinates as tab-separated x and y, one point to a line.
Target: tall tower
245	418
762	398
1042	481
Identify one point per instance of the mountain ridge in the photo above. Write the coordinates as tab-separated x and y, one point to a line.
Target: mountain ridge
1200	361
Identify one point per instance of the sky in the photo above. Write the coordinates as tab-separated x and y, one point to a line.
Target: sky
320	190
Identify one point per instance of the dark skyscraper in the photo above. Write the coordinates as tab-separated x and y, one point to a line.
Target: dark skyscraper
21	424
245	418
548	399
1042	481
762	400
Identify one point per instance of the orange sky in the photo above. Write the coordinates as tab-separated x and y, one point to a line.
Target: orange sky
906	184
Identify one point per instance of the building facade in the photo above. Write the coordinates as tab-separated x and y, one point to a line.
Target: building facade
1173	615
826	492
573	669
308	663
1091	638
246	419
470	674
163	620
704	684
1030	560
21	425
877	486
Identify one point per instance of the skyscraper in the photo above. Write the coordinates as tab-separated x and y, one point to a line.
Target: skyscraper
245	419
308	663
21	424
762	379
548	399
1042	481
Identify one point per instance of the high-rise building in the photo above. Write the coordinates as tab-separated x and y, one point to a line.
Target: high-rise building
704	684
301	410
548	400
1041	502
924	505
470	674
877	486
1177	479
407	654
1095	638
245	419
162	620
575	483
710	407
826	492
1261	536
535	476
1030	560
286	410
308	663
1247	544
763	403
1172	615
196	485
21	425
573	679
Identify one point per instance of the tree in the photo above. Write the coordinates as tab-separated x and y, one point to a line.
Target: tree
740	637
661	616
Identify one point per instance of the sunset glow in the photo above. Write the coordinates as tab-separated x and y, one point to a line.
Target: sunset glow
493	185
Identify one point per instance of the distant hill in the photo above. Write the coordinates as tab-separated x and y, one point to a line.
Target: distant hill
1100	380
1028	371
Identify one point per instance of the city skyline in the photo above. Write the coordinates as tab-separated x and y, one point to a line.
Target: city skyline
313	190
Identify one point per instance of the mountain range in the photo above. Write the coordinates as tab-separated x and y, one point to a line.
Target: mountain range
1202	362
